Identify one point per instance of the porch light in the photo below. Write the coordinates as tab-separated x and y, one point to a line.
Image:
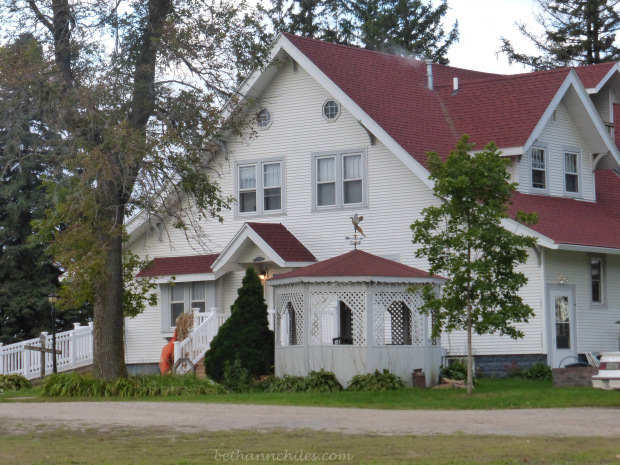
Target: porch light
562	279
262	275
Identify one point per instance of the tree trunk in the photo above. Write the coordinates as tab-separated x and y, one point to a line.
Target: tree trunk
470	357
108	343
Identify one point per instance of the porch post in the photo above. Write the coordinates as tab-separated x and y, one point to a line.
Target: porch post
1	360
307	327
369	314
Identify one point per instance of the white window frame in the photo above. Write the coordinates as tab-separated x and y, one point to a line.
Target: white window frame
577	152
545	150
260	189
167	325
259	121
325	103
339	201
602	281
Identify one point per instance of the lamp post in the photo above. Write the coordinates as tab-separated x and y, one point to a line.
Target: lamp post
52	299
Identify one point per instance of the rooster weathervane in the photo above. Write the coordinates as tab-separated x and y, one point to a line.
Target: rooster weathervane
356	240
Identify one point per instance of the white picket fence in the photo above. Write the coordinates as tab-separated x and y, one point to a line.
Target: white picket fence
75	346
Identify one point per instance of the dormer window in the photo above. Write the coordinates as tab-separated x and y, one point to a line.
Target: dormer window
571	172
539	168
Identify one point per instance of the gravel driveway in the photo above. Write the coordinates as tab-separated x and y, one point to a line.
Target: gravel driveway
221	417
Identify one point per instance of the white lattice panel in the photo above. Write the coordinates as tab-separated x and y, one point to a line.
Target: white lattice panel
325	313
296	299
386	307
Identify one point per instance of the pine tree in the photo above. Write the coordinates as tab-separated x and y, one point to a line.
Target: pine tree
576	32
27	273
397	26
245	335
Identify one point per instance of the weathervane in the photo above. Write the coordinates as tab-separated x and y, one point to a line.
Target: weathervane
356	240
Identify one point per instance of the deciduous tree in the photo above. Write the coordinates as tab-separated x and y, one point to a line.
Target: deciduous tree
138	91
464	241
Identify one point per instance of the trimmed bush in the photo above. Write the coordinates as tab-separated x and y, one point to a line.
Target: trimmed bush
72	385
377	381
13	383
536	372
245	335
457	370
316	381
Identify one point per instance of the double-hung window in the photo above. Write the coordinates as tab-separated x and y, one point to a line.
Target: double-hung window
183	297
260	187
571	171
539	167
339	179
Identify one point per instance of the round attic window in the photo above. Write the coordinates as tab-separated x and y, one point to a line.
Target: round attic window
264	118
331	110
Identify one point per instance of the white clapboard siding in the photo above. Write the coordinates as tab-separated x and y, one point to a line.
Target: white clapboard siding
395	196
596	325
602	102
558	135
532	343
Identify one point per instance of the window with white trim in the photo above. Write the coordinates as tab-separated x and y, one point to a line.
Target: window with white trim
597	280
184	297
571	172
181	297
539	167
260	187
339	179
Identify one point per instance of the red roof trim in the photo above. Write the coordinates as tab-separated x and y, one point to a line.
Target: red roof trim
283	242
356	263
172	266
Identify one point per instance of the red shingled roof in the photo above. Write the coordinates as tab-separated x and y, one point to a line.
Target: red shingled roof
497	109
283	242
592	75
393	91
356	263
172	266
575	222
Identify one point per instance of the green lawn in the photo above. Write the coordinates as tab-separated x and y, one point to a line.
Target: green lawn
490	394
158	447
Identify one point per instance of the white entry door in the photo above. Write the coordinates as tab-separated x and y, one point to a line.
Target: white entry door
563	337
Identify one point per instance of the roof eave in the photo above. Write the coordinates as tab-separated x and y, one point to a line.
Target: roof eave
355	279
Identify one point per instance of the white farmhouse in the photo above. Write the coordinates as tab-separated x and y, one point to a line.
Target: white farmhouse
342	130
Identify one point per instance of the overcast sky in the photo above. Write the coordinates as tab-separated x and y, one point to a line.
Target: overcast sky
481	24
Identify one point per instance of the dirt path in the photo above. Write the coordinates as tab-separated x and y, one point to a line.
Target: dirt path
219	417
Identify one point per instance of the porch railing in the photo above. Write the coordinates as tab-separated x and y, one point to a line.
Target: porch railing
194	346
75	347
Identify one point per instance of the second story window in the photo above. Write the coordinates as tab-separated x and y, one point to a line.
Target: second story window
247	188
339	179
260	187
539	168
571	172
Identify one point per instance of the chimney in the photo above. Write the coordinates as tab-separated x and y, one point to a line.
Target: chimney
429	73
455	86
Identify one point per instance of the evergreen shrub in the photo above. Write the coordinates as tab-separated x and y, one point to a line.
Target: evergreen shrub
244	335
